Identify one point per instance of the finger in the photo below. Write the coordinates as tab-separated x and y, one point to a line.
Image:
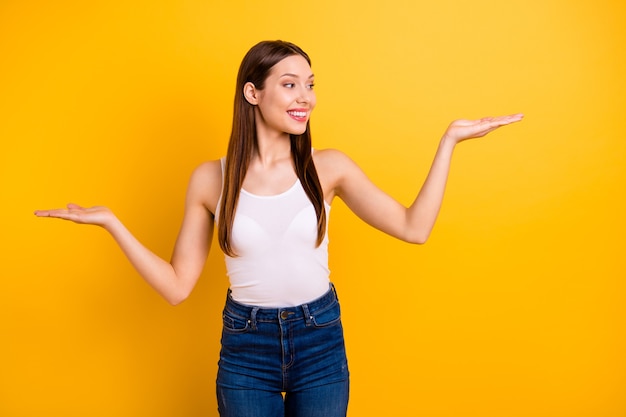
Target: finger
465	122
57	213
511	118
503	120
72	206
508	117
65	214
45	213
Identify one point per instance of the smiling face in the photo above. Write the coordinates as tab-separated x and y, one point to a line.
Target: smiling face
284	104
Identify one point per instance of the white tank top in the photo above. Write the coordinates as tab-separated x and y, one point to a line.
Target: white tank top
277	262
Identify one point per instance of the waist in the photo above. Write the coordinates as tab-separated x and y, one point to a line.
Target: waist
272	286
303	311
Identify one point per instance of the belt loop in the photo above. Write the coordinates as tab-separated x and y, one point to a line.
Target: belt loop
253	317
307	314
332	287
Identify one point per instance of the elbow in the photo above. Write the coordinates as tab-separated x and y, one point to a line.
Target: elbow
175	301
416	230
177	298
417	240
418	237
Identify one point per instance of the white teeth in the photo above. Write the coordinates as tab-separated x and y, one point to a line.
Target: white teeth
298	113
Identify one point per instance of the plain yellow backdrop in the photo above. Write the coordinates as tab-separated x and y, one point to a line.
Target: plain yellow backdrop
515	307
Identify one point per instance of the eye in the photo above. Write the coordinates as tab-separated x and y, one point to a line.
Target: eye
289	85
311	86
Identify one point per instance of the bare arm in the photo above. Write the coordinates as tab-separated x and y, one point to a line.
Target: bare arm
414	223
174	280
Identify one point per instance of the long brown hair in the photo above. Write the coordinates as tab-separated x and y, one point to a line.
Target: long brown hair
255	68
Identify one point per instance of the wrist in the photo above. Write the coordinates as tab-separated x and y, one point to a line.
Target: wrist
111	223
447	142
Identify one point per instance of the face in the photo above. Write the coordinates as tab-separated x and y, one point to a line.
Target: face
285	103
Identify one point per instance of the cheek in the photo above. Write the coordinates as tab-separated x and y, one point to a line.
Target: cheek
282	101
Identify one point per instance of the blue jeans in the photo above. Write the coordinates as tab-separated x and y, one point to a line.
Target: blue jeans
298	351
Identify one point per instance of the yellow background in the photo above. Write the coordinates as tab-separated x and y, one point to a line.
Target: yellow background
515	307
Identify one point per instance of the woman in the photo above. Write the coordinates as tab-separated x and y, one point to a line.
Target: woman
282	341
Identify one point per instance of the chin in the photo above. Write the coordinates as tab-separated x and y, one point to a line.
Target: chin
297	131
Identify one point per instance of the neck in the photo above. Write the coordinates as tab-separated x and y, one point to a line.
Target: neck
272	148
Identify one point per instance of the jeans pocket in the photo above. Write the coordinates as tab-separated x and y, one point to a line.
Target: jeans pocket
328	317
235	324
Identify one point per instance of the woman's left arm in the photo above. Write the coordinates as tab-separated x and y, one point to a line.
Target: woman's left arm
414	223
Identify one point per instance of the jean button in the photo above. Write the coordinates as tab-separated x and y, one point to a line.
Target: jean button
284	315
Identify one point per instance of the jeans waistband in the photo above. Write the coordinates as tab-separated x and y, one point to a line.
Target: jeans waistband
303	311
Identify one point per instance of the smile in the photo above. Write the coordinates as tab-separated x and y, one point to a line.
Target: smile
297	114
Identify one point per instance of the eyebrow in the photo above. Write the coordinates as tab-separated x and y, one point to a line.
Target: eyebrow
295	76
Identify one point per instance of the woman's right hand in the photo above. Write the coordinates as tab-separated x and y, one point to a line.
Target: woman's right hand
175	279
97	215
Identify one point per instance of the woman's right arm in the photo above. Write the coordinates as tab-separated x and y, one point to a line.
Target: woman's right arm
176	279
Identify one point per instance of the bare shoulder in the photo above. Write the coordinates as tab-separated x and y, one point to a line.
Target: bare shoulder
205	184
333	167
209	170
331	160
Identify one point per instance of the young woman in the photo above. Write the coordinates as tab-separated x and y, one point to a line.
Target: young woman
282	340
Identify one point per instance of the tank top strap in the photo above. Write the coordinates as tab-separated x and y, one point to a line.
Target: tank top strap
219	200
223	165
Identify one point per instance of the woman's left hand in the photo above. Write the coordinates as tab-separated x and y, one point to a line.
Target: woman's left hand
460	130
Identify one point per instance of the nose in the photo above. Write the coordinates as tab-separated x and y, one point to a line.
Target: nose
306	95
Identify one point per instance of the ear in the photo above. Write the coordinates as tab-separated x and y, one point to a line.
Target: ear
250	93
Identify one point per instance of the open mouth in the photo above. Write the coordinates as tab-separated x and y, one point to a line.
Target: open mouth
298	115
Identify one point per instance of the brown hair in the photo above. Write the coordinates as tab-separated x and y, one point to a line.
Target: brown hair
255	68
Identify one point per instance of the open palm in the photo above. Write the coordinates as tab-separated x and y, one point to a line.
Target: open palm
460	130
97	215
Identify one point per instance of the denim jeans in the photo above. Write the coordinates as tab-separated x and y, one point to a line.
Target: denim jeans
298	351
